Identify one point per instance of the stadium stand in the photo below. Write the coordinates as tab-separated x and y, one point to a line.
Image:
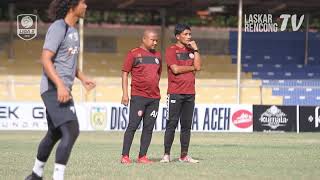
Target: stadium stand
278	59
216	82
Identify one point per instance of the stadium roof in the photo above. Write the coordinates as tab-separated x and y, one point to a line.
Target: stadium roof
185	6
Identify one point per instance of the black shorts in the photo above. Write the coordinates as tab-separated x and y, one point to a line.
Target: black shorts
58	113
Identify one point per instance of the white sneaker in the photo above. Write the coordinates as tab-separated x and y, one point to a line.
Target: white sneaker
188	159
165	159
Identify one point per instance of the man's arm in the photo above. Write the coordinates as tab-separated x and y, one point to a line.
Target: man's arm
176	69
63	93
197	58
125	96
86	82
172	63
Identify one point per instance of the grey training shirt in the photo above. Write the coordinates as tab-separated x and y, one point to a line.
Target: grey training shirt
66	56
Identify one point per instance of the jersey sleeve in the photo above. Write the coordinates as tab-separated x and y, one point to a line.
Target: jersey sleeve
128	62
54	37
171	56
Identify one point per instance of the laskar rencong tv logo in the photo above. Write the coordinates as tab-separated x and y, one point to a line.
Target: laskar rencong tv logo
266	22
27	26
273	118
316	118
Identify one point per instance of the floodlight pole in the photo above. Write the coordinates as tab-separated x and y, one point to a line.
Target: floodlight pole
163	31
11	26
239	52
81	53
306	42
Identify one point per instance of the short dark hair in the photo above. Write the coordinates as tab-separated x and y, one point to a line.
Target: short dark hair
58	9
180	28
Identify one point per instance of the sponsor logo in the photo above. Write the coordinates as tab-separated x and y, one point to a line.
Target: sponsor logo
242	119
273	118
73	50
98	118
27	26
73	109
316	118
154	114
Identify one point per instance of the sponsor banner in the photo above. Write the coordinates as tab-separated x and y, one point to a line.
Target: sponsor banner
206	118
274	118
115	117
309	119
30	116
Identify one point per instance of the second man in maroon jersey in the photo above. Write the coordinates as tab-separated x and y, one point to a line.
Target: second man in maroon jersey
183	60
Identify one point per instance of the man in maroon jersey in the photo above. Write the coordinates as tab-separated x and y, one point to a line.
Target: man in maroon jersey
144	64
183	60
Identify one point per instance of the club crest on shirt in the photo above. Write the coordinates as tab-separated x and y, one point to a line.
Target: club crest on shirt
140	113
156	60
191	55
178	55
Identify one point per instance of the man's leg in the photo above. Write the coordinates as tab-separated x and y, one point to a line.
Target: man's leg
69	132
174	111
186	121
149	119
135	115
44	149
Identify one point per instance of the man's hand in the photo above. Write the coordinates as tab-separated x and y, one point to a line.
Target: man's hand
88	84
125	100
63	94
193	45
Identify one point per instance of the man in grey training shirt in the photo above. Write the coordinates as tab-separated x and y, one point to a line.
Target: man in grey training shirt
59	60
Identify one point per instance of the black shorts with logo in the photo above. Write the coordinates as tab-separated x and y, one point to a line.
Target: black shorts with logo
58	113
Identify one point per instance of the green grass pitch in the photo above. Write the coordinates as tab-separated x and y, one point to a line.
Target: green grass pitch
96	155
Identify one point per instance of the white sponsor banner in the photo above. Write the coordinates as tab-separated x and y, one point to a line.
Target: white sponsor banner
31	116
22	116
206	117
115	117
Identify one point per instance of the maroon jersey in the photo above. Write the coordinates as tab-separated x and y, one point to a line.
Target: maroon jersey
145	68
180	83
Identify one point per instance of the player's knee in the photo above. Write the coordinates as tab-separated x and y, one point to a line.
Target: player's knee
64	146
185	130
76	133
132	127
54	136
148	130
